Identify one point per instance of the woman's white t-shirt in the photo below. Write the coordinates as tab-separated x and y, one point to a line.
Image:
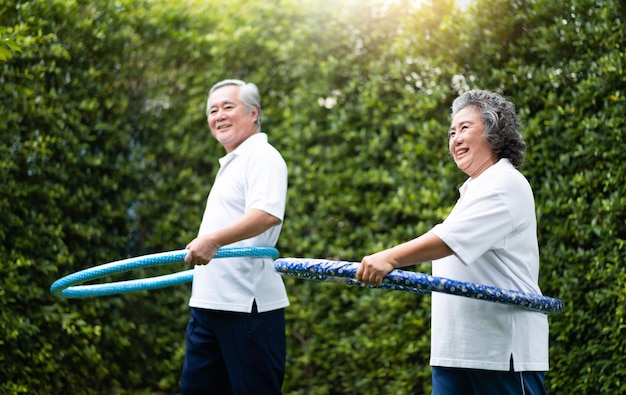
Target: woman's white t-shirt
492	230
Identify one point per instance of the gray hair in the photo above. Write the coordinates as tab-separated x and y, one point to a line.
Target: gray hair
502	125
248	94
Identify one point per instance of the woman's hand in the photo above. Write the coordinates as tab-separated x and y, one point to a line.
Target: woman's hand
374	268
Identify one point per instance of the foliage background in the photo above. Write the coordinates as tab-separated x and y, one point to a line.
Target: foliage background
105	154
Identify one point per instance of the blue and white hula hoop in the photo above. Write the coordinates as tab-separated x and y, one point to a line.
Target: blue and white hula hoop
67	286
342	271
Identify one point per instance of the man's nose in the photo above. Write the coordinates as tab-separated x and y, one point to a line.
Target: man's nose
220	114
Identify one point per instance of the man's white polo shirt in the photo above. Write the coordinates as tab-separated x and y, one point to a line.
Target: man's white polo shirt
253	176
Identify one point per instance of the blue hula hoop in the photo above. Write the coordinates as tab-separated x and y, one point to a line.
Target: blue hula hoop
342	271
67	286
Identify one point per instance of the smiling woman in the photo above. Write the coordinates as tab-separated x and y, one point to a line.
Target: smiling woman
489	238
469	148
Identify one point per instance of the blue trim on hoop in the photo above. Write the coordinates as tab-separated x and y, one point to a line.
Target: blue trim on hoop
342	271
67	286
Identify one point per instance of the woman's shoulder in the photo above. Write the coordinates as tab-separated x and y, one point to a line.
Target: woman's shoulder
505	180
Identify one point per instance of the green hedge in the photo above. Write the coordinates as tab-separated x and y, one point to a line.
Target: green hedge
105	154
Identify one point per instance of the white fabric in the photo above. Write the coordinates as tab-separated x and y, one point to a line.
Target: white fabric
253	176
492	230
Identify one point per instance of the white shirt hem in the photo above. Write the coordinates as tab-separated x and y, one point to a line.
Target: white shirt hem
238	307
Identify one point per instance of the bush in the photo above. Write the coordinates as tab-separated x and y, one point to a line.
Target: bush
105	154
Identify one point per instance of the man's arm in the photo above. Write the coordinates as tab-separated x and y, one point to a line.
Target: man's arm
203	248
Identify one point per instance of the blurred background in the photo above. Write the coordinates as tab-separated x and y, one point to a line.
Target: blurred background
105	154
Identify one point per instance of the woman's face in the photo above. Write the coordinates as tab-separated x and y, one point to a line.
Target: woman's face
467	143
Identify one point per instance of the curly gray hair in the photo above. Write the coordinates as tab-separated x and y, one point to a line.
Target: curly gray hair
502	125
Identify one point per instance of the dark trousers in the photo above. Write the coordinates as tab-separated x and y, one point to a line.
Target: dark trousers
454	381
234	353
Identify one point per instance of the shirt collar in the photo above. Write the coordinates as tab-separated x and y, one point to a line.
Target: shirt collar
246	146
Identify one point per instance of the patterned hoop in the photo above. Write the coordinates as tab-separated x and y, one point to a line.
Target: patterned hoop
342	271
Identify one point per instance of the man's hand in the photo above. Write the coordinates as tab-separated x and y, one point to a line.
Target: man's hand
373	269
201	250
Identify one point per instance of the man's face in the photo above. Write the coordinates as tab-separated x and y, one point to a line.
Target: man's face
467	143
227	117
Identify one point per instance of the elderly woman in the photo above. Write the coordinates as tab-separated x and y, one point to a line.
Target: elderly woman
489	237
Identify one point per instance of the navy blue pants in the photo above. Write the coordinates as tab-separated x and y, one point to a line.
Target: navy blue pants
234	353
453	381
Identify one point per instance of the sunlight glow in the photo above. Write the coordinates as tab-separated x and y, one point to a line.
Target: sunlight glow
463	4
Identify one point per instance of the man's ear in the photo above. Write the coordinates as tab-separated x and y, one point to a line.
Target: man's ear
255	112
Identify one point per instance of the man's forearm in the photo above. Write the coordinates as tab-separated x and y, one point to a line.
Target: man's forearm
253	223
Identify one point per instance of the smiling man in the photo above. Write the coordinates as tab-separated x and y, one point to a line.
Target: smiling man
235	340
